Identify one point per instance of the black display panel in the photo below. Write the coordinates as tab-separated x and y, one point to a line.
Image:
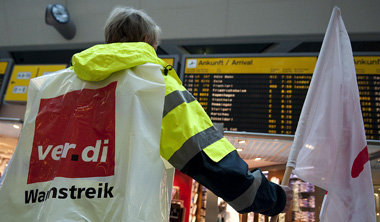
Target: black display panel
266	94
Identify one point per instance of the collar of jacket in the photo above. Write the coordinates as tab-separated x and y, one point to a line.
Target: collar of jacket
100	61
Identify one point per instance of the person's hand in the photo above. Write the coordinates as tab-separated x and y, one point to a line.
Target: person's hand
289	197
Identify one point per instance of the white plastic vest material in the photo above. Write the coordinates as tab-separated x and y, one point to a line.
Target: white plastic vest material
90	151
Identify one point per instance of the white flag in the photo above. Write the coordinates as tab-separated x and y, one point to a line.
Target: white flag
330	149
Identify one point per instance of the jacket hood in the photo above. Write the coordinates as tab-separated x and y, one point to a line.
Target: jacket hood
100	61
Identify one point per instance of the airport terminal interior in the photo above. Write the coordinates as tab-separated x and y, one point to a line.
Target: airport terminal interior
248	62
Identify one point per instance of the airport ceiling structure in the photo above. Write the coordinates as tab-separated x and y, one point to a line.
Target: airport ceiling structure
278	44
197	46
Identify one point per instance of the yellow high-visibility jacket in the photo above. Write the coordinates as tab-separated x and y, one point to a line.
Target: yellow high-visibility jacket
189	141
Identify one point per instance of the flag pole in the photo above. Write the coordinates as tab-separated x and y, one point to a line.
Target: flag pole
284	182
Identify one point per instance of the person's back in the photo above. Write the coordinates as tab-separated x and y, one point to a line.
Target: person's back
90	150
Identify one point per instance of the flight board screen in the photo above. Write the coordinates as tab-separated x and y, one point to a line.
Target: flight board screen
266	94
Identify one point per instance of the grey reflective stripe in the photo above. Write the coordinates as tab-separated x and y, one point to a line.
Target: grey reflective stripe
194	145
246	199
176	98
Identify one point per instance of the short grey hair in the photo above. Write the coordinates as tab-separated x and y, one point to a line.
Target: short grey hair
126	24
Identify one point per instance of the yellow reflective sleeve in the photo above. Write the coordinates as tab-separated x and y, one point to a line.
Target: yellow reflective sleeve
187	123
180	124
219	149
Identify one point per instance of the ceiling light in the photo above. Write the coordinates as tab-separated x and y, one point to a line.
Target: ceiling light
241	141
265	172
257	159
239	149
16	126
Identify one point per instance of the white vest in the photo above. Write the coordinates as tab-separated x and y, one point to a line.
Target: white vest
90	151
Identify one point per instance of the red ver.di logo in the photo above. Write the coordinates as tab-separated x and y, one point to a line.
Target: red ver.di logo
75	136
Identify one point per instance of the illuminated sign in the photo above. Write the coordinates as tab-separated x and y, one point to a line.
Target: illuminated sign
3	67
251	65
367	65
4	75
21	75
169	61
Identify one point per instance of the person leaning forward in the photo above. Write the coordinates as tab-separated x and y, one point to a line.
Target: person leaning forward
189	141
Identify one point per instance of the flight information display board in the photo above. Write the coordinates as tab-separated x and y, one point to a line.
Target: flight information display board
266	94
